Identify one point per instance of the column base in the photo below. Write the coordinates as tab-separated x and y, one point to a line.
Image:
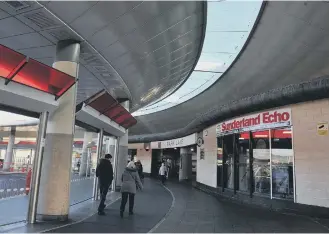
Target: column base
58	218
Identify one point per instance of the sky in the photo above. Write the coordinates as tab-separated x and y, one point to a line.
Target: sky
7	118
229	24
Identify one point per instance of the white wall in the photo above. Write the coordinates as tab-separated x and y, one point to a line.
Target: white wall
207	168
143	155
311	153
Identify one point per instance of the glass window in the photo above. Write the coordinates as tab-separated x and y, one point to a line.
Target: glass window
261	162
243	162
229	161
220	162
282	163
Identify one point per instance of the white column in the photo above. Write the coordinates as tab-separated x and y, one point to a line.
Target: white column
122	154
9	153
185	168
54	197
87	139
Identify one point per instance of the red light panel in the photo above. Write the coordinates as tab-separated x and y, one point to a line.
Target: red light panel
9	60
115	111
103	103
42	77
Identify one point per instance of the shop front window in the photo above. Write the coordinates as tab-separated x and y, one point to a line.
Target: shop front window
261	162
220	162
243	162
282	163
228	144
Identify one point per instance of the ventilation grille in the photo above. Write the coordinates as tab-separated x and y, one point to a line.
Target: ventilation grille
41	20
17	5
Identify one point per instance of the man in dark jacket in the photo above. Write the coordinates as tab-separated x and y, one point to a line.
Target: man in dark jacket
139	168
104	172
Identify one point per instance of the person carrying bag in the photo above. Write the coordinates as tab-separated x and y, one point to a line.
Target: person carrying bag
130	184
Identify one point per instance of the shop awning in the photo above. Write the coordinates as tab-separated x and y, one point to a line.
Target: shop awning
16	67
106	105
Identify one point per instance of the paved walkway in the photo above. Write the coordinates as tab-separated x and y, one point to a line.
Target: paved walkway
151	206
196	211
187	210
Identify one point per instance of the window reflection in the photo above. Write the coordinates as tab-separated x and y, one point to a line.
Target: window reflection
229	160
243	161
282	163
261	162
219	162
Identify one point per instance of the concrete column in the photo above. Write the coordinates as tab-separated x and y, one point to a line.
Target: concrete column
185	168
87	139
9	152
123	153
54	197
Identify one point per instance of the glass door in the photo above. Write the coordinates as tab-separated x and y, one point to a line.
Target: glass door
228	151
261	162
243	162
282	163
220	162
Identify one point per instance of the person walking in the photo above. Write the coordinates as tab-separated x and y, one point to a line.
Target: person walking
130	183
163	173
78	165
139	168
104	172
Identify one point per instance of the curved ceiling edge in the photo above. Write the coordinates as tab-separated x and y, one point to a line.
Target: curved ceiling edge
84	40
205	5
291	94
244	46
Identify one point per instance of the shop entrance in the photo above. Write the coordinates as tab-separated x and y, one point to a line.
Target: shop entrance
156	162
172	159
258	162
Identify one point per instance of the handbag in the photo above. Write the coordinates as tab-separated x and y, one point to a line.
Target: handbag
137	187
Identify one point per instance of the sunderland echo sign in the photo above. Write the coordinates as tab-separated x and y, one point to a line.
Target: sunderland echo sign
263	120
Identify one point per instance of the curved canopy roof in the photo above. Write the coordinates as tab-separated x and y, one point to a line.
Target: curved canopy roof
290	45
133	49
229	24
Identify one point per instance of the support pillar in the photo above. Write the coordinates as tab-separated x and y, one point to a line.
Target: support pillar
54	196
99	155
87	139
185	168
122	157
9	152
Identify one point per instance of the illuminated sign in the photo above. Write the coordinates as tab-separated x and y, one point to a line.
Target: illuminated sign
263	120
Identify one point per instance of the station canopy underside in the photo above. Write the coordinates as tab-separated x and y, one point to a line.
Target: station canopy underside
289	45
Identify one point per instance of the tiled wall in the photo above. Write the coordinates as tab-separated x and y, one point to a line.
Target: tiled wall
143	155
311	153
207	167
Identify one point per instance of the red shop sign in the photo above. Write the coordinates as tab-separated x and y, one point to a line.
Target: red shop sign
263	120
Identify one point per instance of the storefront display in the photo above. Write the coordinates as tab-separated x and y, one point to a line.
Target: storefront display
257	154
